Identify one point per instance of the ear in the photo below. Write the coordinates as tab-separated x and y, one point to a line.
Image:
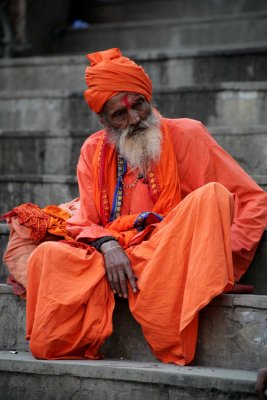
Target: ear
101	119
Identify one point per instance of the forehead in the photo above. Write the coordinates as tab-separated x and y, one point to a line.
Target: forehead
122	100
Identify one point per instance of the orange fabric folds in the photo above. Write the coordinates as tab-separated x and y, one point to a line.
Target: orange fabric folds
111	73
176	278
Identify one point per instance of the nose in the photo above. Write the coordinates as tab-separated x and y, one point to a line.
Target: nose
133	117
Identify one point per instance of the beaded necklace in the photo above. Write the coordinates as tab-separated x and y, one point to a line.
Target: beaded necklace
133	184
118	193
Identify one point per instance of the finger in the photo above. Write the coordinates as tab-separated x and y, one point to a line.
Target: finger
123	284
110	280
117	284
131	278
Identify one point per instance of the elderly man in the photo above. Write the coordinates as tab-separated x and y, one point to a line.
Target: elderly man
167	219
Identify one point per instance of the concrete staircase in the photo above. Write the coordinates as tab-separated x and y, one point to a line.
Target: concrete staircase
208	61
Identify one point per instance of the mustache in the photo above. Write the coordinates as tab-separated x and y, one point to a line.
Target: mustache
150	121
141	126
131	131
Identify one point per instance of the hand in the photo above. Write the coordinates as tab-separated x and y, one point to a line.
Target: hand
118	268
261	384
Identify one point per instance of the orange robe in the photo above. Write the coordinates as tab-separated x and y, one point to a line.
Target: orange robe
197	252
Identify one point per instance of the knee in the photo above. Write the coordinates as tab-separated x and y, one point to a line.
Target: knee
218	189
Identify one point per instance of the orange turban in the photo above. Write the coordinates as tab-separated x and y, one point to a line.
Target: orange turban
109	74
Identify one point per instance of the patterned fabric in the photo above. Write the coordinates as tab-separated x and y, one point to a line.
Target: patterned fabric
51	219
32	217
145	219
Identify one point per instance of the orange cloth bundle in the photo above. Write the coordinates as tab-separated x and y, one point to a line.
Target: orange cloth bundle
29	225
109	74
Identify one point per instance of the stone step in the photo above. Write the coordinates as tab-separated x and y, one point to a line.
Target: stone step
235	325
112	380
129	10
39	189
13	321
50	189
172	34
36	152
166	68
226	104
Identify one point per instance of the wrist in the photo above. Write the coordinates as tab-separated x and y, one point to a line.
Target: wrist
109	245
99	242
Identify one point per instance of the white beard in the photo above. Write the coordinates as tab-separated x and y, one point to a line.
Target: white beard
140	148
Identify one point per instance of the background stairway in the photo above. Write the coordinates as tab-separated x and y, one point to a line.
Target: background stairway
208	61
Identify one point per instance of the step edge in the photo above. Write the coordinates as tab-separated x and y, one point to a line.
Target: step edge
83	133
197	20
258	86
142	55
146	372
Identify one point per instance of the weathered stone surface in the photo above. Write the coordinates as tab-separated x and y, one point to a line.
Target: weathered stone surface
117	11
23	378
64	72
232	332
248	146
226	104
40	152
41	24
12	321
169	33
166	68
32	110
42	190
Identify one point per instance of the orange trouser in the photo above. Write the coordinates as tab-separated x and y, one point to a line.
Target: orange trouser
186	262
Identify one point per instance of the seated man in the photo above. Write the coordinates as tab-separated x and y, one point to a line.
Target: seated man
167	220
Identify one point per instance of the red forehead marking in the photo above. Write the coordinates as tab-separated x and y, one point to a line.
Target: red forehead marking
127	102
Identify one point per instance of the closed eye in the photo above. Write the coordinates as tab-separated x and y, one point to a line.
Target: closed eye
119	113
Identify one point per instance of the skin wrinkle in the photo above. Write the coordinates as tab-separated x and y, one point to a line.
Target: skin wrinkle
139	143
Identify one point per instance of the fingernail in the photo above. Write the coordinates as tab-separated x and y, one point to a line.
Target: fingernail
120	295
114	291
125	296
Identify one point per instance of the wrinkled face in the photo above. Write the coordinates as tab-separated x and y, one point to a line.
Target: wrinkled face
133	126
127	110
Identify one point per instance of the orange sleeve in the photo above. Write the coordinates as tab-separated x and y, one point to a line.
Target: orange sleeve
86	223
201	160
250	218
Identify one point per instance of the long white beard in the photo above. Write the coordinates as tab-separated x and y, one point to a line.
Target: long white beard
141	148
